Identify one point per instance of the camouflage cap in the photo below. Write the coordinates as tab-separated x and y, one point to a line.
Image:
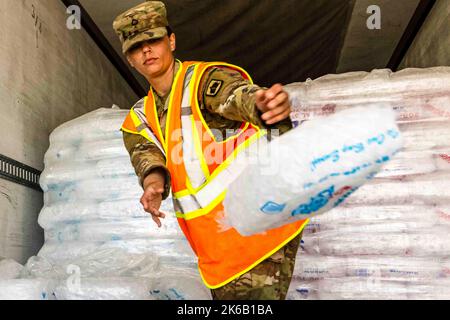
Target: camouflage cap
144	22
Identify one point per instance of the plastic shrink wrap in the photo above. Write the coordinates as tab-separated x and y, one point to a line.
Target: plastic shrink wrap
99	242
390	239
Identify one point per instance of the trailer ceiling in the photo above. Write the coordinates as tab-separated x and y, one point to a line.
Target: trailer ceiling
276	41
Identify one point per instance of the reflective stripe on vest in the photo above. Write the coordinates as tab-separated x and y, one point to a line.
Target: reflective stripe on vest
144	130
137	124
191	140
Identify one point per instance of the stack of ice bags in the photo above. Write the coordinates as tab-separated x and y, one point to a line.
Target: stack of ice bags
99	242
391	238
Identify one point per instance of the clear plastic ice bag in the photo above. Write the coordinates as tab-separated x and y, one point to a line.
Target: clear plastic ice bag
312	169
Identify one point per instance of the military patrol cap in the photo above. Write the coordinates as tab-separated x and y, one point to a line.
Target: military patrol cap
144	22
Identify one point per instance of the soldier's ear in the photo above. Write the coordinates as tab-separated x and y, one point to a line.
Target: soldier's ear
129	60
173	42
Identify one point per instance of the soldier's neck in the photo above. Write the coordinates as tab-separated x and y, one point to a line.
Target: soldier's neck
163	83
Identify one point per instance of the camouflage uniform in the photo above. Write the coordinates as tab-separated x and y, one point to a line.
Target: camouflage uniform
269	280
226	99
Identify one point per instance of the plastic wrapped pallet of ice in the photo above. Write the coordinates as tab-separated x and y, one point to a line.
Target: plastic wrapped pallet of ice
423	136
371	86
438	289
108	210
67	171
341	153
424	243
27	289
347	289
317	267
302	290
99	189
355	288
100	124
417	163
430	189
403	216
137	228
166	249
351	288
426	107
418	94
114	288
95	225
109	262
84	150
160	286
391	227
115	273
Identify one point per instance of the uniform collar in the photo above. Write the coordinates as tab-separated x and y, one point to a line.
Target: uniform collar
165	100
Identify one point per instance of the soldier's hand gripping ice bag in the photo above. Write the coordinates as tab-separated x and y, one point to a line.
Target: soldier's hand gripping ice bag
311	169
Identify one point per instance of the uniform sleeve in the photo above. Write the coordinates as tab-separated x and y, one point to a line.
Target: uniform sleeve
227	93
146	157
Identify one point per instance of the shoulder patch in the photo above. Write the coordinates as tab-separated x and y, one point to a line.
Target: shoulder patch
214	87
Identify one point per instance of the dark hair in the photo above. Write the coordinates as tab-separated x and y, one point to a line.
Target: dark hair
169	30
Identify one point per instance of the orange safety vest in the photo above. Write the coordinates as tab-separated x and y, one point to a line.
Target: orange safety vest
201	170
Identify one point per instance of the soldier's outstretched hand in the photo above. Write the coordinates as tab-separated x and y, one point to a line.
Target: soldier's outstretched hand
152	197
273	103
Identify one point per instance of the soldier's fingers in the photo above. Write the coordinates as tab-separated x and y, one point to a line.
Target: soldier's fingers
261	100
162	214
157	221
260	96
150	191
151	194
147	208
159	191
280	99
269	115
144	202
280	117
146	199
156	213
273	91
149	203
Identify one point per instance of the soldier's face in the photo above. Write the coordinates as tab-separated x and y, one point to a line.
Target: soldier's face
154	57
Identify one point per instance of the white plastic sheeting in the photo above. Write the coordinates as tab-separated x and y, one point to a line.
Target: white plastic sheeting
99	243
391	238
